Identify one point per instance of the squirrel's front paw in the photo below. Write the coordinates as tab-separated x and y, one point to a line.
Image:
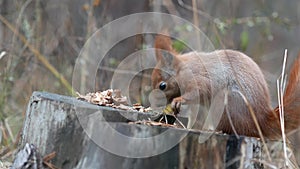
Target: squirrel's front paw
176	104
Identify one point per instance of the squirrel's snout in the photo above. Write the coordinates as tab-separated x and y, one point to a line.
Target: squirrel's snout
157	99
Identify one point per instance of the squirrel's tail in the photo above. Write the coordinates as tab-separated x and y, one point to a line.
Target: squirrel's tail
291	98
291	102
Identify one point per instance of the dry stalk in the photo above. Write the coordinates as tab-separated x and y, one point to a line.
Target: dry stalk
38	55
280	92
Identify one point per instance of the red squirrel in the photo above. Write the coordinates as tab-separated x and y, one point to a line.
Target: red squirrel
184	77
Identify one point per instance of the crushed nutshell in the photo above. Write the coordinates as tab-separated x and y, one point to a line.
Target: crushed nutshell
112	98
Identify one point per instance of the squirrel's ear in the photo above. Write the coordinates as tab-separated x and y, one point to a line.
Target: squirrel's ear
163	49
165	57
166	63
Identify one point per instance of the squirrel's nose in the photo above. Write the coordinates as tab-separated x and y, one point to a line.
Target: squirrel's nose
157	99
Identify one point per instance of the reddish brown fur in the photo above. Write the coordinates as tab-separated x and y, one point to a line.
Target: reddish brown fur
208	73
291	101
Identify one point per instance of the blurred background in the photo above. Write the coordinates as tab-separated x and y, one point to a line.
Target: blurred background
41	40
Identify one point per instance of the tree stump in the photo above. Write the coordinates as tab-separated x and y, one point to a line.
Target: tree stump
90	136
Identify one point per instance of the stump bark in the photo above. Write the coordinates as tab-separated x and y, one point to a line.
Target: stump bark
90	136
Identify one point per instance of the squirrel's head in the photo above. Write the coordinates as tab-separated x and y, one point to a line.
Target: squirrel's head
163	77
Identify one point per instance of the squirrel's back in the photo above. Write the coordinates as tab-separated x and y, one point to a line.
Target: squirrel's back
240	76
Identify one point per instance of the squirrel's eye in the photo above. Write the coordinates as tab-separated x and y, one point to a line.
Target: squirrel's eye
162	85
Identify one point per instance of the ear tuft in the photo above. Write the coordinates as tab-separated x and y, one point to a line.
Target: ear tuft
163	42
163	48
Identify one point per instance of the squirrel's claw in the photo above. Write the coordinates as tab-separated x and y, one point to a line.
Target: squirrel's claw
176	104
